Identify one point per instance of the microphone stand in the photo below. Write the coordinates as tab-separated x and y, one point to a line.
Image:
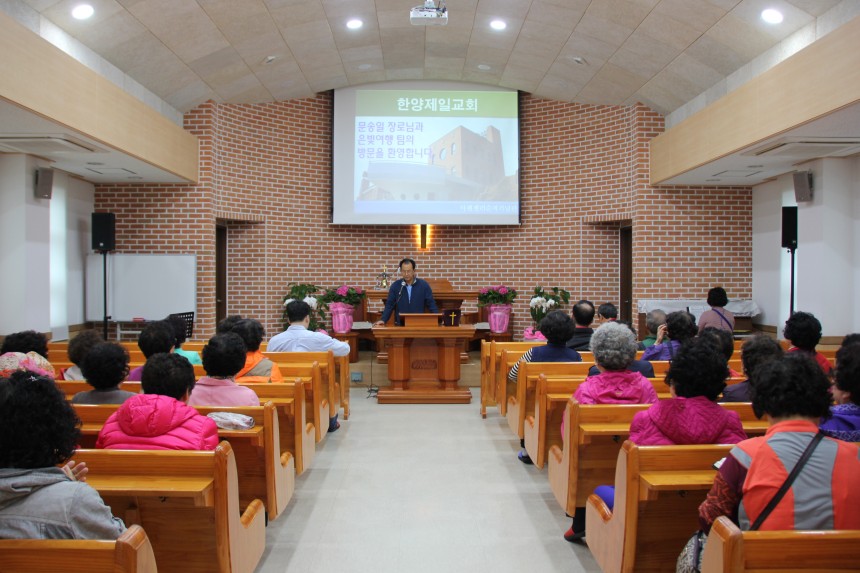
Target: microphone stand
396	302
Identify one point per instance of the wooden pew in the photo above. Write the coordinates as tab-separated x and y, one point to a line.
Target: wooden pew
335	372
72	387
316	398
130	553
496	379
658	490
265	472
298	435
585	456
523	401
187	501
730	550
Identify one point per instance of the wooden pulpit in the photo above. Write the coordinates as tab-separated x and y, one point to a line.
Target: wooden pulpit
424	363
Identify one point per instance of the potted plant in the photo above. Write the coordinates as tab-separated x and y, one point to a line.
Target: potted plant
305	292
541	304
341	302
498	300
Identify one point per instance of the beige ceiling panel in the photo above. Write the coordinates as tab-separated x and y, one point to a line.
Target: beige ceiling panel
294	92
536	63
191	95
715	55
564	88
609	32
117	28
488	77
668	30
272	75
543	50
312	58
484	36
365	76
416	73
488	55
60	13
446	49
814	7
257	94
142	52
793	18
522	73
644	55
331	83
515	83
562	14
163	71
698	74
679	86
431	73
448	35
516	9
241	21
595	50
611	85
741	37
626	14
215	63
316	32
182	25
698	15
573	73
254	50
446	63
724	5
230	90
297	14
362	54
399	18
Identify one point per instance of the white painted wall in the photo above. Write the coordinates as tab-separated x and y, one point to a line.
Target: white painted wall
827	258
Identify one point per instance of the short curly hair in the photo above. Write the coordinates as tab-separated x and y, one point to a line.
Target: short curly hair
681	326
614	346
105	366
803	330
848	370
758	350
167	374
81	344
698	369
723	339
251	332
156	337
717	297
227	324
793	385
24	342
557	327
224	354
179	326
852	338
38	427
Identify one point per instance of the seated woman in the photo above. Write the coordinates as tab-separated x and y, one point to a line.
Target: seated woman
104	368
725	342
844	423
155	338
160	419
79	347
31	343
691	416
643	367
756	351
257	367
223	356
38	500
177	323
614	347
792	393
680	328
803	330
718	317
31	362
557	327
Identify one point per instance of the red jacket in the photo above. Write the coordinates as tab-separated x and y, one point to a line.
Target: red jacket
155	422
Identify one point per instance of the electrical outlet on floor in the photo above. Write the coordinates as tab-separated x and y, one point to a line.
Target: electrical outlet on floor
355	376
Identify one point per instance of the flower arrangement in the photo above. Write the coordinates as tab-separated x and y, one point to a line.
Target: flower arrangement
545	301
305	292
498	294
347	294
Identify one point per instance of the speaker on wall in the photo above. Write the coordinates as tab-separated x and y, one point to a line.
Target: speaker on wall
44	182
803	186
789	227
104	231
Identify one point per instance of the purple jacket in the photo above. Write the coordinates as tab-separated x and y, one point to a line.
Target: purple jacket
616	387
155	422
684	421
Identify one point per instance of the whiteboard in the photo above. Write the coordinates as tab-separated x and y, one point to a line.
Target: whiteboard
141	286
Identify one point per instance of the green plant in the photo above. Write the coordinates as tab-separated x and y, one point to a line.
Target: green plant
545	301
497	294
306	292
348	294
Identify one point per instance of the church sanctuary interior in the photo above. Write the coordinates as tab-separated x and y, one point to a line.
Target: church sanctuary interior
213	158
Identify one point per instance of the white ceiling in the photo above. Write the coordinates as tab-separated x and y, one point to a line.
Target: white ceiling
659	52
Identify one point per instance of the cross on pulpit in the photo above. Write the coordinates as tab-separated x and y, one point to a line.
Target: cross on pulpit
453	317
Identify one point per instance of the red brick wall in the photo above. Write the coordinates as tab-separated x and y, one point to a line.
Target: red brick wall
265	174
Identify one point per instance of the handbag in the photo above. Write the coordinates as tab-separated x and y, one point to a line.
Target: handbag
690	559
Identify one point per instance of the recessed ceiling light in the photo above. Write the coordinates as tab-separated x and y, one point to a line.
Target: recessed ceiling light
365	66
82	11
484	67
354	24
771	16
498	25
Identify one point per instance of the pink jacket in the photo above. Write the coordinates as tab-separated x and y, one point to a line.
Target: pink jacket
217	392
155	422
616	387
686	421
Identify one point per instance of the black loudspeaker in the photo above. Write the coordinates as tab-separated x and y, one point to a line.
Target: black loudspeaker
104	231
802	186
789	227
44	183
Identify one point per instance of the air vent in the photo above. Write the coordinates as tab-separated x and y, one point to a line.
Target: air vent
45	145
807	148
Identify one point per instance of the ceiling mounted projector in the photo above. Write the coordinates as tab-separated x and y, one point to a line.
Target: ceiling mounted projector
430	14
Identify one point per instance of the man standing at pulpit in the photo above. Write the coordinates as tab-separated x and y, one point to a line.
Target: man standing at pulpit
408	295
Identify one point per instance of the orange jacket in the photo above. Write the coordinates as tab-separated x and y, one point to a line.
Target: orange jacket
258	368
